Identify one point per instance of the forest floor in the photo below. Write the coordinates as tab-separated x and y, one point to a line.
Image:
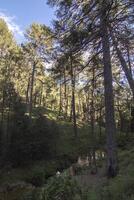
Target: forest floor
15	182
123	183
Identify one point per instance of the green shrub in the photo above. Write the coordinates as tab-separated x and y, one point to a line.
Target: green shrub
62	188
89	194
36	177
50	169
121	188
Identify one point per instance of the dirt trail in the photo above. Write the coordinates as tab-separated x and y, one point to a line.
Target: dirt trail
89	180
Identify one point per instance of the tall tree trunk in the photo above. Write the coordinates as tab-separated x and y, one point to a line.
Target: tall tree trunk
79	105
100	119
124	65
73	96
67	100
3	125
27	91
2	108
41	94
129	60
128	72
93	121
60	102
35	99
7	134
110	127
132	117
31	90
65	95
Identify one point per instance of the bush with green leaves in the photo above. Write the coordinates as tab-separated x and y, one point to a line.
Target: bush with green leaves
120	188
36	177
62	188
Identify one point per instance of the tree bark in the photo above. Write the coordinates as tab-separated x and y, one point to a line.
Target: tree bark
2	108
110	127
31	90
92	114
73	96
27	91
65	95
125	68
128	72
60	102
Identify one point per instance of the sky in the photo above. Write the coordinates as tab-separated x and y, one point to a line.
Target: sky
19	14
